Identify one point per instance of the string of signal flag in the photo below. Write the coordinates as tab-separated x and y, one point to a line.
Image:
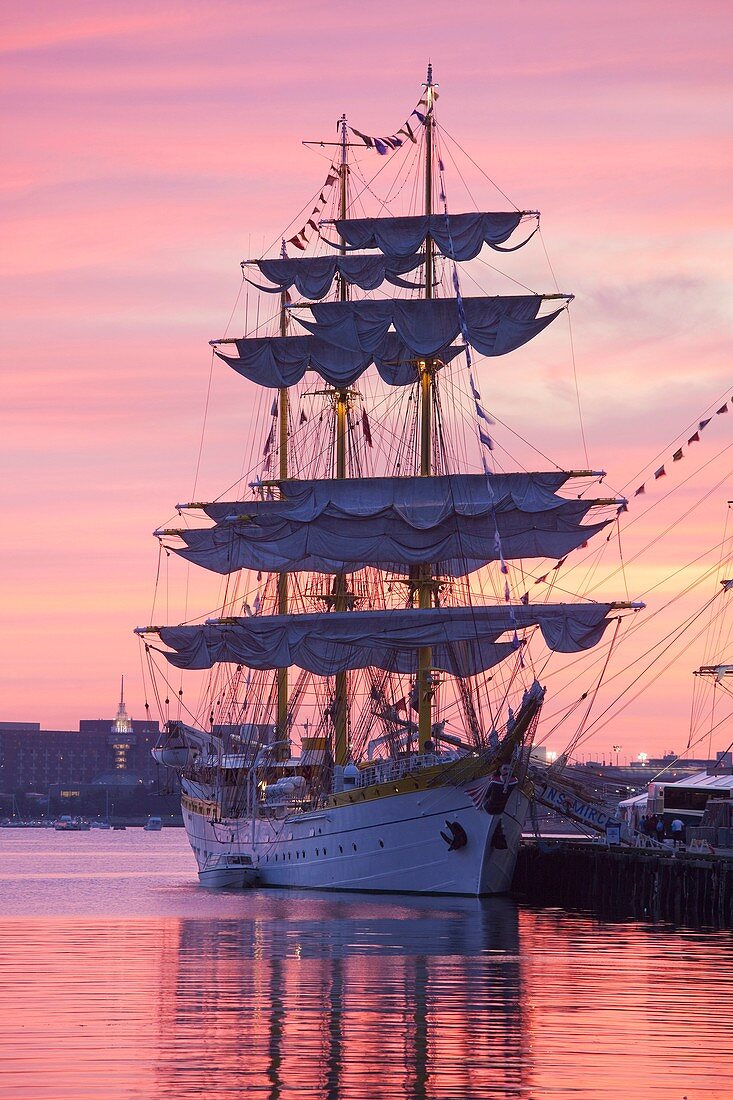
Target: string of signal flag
678	455
381	145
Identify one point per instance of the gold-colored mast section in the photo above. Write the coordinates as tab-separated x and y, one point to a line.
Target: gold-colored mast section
340	707
425	582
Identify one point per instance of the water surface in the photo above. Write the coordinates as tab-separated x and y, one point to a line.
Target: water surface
122	979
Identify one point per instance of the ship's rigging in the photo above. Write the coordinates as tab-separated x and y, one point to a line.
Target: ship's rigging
386	574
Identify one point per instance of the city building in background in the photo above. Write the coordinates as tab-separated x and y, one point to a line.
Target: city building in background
106	765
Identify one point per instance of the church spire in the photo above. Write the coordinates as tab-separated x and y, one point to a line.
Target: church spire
122	723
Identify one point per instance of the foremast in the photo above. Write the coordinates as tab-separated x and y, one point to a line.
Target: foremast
340	706
425	581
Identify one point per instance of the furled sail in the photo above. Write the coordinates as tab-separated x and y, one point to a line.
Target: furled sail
277	361
313	276
459	236
424	502
495	326
392	523
463	638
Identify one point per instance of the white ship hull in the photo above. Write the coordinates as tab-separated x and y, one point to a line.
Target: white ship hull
391	844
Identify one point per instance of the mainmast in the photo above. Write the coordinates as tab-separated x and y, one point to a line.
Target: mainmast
282	580
340	708
425	581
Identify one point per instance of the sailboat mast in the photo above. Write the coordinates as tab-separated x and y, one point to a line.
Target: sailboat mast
340	710
425	578
282	580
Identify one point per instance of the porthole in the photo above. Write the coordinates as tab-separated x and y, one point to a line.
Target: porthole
341	849
353	846
381	844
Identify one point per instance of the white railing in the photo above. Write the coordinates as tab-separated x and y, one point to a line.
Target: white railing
390	771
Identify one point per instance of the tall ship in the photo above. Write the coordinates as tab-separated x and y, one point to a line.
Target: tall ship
368	690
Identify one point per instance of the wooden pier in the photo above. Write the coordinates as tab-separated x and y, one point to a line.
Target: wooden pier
684	888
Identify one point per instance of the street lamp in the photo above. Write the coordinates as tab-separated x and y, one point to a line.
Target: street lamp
617	750
642	758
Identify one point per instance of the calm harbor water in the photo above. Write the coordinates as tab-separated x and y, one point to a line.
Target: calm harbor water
122	979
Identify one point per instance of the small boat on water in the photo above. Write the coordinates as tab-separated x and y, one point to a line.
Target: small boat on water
68	824
153	825
227	869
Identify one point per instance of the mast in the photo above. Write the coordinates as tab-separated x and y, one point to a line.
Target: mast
282	580
340	710
424	572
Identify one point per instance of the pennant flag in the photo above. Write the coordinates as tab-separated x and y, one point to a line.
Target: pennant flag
561	562
541	580
273	410
722	409
661	472
303	417
507	593
727	585
677	455
485	438
401	705
384	145
704	423
365	427
268	442
300	240
694	438
524	599
638	492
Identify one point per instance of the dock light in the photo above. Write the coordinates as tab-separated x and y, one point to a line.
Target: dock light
642	758
551	756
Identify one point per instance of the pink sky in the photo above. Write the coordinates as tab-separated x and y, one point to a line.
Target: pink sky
150	147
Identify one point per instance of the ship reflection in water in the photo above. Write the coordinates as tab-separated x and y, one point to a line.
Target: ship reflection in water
316	998
313	997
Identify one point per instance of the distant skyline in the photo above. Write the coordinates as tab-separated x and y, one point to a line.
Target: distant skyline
152	147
